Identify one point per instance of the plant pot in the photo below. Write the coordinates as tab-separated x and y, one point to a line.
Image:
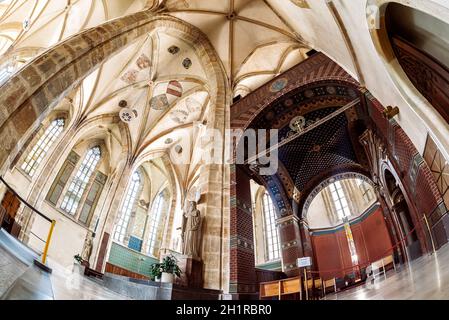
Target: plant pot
78	268
167	277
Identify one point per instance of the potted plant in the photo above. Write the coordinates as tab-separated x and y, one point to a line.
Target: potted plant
169	268
78	258
78	264
155	272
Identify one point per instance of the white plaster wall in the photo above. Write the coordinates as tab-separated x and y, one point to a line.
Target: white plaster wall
317	215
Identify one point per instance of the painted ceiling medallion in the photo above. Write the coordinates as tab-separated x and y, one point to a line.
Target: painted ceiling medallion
174	50
187	63
278	85
301	3
331	90
309	93
316	148
192	105
130	76
174	88
159	102
127	115
178	149
179	116
288	102
123	104
298	123
143	62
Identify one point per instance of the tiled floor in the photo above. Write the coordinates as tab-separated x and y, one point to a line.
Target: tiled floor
10	270
425	278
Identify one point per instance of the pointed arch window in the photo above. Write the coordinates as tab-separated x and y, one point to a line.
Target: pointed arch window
158	211
272	237
340	201
43	144
79	183
127	207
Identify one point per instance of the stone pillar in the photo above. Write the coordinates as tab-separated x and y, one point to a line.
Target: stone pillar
242	282
108	217
291	243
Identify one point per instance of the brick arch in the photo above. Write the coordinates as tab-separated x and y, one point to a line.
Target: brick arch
317	68
31	93
346	174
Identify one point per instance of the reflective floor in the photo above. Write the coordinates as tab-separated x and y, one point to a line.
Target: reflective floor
424	278
69	284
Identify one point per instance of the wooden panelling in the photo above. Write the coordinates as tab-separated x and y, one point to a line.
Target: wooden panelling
327	253
331	249
110	268
360	245
377	238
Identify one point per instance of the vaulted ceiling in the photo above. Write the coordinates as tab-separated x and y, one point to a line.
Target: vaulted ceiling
161	78
253	41
322	149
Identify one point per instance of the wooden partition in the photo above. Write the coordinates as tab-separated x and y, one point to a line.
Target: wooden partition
111	268
280	288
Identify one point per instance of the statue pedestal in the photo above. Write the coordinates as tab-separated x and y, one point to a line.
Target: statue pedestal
192	272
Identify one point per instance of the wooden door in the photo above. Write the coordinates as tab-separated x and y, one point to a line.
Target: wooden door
11	204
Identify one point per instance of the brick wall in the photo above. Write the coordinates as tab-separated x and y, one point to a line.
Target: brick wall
242	261
415	175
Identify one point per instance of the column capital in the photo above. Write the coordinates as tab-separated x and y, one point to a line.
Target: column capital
287	220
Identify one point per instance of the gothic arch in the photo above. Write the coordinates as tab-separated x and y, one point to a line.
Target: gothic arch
336	177
36	88
318	68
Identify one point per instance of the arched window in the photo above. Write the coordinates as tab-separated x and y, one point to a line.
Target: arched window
43	144
270	228
367	192
79	183
127	207
6	71
158	210
341	204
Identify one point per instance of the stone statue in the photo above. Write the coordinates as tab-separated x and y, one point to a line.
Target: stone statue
191	230
87	249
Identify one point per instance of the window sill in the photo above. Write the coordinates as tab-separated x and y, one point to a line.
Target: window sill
66	215
24	174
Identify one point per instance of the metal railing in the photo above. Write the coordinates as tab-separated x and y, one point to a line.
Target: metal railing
34	210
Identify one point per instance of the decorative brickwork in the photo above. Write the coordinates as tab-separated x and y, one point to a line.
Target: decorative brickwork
415	175
242	263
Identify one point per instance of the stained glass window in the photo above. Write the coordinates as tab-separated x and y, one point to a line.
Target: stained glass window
270	228
79	183
159	208
127	207
341	204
